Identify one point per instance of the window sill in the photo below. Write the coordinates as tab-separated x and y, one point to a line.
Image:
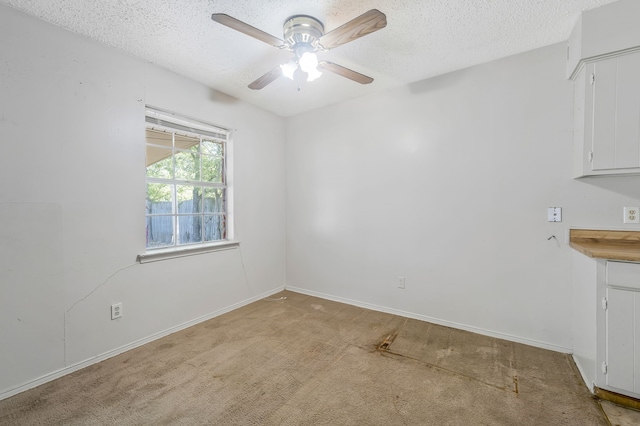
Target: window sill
172	253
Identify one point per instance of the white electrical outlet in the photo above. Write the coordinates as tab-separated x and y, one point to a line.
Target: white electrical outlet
400	282
631	215
116	311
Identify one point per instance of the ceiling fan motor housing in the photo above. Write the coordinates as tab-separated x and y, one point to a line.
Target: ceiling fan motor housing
302	31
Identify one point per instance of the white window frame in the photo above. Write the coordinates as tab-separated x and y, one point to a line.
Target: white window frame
161	120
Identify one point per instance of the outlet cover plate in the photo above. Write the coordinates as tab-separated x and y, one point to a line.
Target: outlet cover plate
554	214
116	311
631	215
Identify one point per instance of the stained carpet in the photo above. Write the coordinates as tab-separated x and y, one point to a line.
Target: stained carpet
309	361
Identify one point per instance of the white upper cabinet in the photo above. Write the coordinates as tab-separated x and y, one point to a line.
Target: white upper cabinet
606	127
615	115
603	59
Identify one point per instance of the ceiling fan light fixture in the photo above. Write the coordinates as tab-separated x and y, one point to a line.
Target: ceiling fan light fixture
289	69
313	74
308	62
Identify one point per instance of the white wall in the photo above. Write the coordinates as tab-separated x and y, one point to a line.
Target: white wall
72	203
447	182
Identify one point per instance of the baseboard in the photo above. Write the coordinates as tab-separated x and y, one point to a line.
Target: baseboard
589	383
433	320
82	364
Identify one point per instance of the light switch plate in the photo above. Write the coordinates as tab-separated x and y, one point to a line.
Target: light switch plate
554	214
400	282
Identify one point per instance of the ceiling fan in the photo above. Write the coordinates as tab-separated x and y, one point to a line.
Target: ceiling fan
304	36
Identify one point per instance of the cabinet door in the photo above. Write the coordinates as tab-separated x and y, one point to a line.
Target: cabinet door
616	113
623	339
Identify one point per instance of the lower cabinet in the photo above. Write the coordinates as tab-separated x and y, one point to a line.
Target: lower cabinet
620	346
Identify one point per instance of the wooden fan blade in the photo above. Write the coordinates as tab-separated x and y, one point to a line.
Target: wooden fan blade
345	72
364	24
266	79
247	29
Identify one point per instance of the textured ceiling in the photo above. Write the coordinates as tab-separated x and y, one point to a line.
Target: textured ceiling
423	38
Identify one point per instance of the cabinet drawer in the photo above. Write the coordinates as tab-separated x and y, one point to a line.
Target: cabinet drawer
623	274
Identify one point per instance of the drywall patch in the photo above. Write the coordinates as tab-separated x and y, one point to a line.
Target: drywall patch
66	313
31	291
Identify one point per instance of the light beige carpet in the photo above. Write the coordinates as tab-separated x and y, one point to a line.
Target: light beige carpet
309	361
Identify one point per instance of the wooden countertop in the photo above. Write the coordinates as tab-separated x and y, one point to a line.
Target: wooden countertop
602	244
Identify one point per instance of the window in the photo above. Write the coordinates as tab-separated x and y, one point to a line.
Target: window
187	196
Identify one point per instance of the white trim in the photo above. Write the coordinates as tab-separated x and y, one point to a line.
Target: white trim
525	341
90	361
180	120
183	251
229	182
584	61
585	379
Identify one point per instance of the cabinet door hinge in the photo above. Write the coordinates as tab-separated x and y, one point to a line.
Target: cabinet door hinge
605	304
593	78
591	156
604	368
